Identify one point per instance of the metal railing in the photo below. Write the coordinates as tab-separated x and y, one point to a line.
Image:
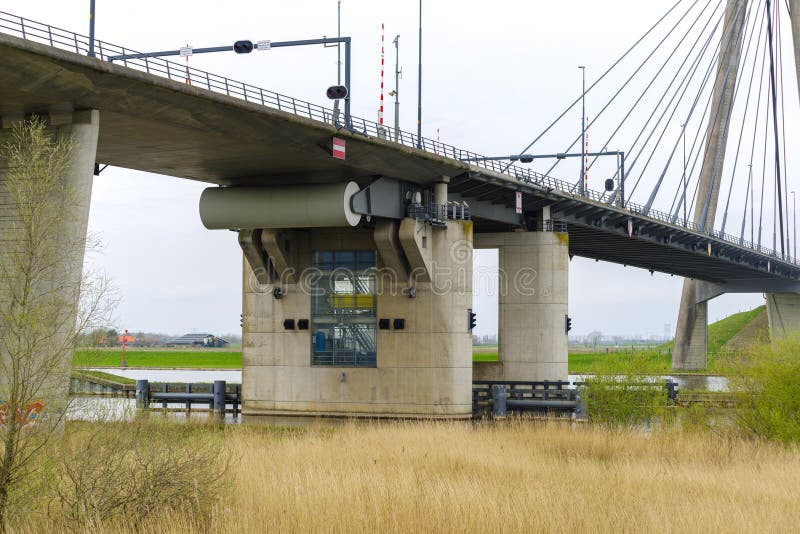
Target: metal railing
79	44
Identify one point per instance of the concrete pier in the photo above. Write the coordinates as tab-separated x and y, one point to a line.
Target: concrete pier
71	215
532	300
361	322
783	314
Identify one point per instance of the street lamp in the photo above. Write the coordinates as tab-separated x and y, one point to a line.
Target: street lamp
582	186
419	83
794	226
396	91
91	28
683	135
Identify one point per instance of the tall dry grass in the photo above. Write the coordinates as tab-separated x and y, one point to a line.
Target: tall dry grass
518	476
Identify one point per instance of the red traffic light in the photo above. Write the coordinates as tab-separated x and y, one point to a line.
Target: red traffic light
243	47
336	92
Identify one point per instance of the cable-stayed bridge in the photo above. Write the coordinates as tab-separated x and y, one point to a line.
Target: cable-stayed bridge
698	106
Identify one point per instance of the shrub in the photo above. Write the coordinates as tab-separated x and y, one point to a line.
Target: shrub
627	397
128	471
766	382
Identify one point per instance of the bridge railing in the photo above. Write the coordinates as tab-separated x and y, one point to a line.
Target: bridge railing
79	44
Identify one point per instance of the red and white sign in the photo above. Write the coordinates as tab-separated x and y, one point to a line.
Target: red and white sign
338	148
519	201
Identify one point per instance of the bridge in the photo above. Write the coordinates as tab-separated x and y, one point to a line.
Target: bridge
400	214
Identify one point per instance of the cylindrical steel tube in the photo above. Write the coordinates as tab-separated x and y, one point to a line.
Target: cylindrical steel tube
300	206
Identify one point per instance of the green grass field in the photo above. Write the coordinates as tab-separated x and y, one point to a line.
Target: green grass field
200	359
107	376
657	360
653	361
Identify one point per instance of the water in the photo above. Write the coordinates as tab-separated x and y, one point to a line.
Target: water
190	376
92	408
95	408
693	382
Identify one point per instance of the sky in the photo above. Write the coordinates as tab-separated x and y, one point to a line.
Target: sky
494	75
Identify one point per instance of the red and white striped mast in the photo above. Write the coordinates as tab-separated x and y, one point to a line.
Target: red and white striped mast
380	108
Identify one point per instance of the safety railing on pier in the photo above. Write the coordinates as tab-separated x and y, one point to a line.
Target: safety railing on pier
79	44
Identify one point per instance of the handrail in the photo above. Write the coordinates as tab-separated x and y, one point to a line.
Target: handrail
66	40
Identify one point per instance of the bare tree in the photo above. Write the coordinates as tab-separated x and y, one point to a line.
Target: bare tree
46	301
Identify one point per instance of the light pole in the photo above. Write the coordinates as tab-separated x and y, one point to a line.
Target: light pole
419	83
683	135
91	28
582	186
339	45
794	225
396	88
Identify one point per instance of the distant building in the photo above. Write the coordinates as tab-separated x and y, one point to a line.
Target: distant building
198	340
127	339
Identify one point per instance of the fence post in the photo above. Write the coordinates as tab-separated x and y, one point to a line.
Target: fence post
142	394
219	396
499	400
672	393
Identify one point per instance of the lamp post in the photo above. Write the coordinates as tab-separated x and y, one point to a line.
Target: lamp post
582	186
794	225
91	28
419	83
397	88
683	135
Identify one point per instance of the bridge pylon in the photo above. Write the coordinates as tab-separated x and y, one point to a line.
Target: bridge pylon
691	336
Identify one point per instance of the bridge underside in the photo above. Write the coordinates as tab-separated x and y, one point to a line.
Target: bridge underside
153	124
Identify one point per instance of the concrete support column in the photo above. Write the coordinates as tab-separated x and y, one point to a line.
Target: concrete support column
783	314
423	350
533	293
81	128
691	337
440	192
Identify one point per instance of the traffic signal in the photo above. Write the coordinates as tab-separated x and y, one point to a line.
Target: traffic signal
243	47
241	320
610	184
337	92
471	319
525	158
567	323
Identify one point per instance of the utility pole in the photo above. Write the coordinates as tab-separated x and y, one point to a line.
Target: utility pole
91	28
339	45
419	83
582	187
397	88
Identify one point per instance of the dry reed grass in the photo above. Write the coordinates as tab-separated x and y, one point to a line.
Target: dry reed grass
512	477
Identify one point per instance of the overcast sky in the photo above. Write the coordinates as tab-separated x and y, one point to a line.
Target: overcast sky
494	74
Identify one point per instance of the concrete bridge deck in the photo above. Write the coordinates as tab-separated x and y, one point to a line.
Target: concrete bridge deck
154	124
